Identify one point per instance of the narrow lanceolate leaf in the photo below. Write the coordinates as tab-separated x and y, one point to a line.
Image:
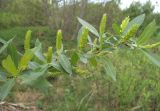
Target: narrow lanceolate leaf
29	77
138	20
102	27
130	33
90	41
79	35
150	46
59	40
110	69
83	58
89	26
147	33
5	45
65	63
38	51
83	38
12	51
152	57
26	58
27	40
3	76
124	24
49	54
6	88
2	41
33	65
9	66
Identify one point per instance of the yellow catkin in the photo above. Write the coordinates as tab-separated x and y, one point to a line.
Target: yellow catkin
83	38
124	24
102	27
59	40
27	40
130	33
49	54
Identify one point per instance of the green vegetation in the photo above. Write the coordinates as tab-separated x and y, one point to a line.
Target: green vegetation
32	68
52	60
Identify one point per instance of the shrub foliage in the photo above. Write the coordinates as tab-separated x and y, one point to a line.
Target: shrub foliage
33	66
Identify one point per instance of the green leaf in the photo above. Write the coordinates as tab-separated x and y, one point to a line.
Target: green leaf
2	76
131	32
116	28
150	46
5	45
74	58
65	63
138	20
147	33
12	51
37	43
57	67
6	88
36	78
83	58
26	58
90	41
89	26
2	41
155	59
38	51
33	65
109	69
29	77
9	66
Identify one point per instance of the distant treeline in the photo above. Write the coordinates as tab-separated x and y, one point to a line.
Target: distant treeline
62	14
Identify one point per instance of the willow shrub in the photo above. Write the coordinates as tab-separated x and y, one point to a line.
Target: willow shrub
93	48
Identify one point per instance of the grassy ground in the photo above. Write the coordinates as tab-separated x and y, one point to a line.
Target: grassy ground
42	33
137	89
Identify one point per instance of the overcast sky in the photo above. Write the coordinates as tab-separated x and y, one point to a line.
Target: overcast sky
126	3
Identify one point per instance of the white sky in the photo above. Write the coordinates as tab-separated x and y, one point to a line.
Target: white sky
126	3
